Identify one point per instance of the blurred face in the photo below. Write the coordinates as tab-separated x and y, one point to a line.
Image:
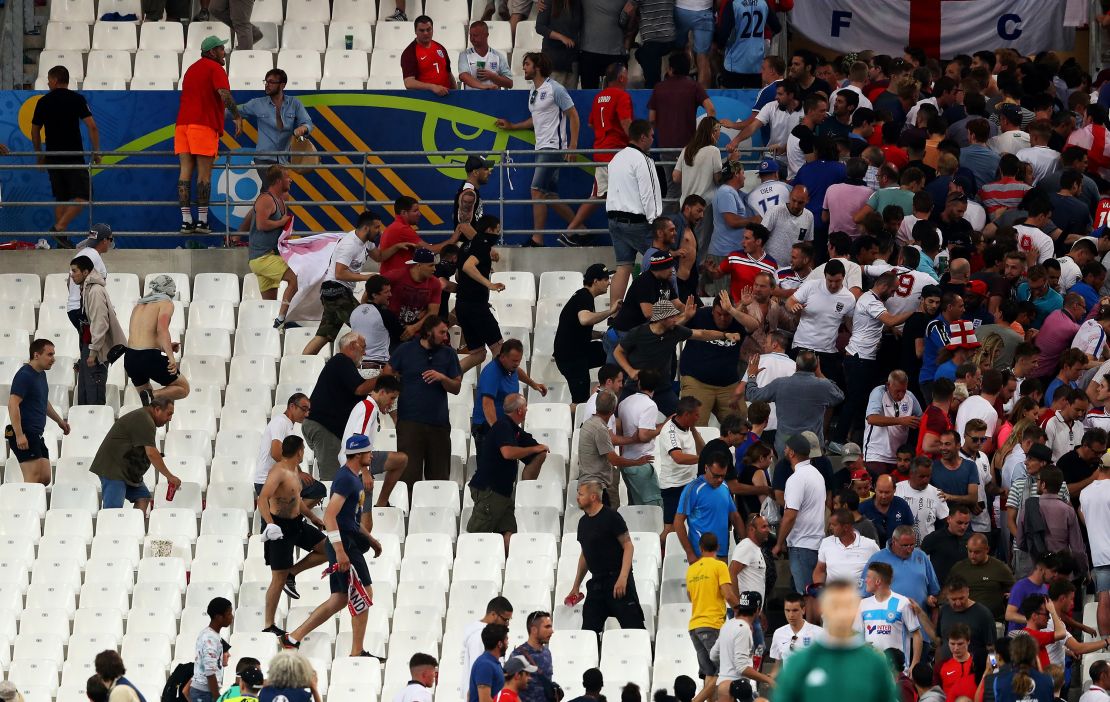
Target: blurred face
760	530
903	461
529	69
300	409
1075	410
834	283
273	85
45	358
1013	268
715	475
510	361
826	74
77	275
585	498
920	477
955	210
162	417
958	648
411	216
798	259
818	115
797	69
973	441
386	400
667	233
479	35
542	629
1038	288
949	449
439	336
897	391
872	582
862	488
382	298
978	552
884	492
1053	278
840	529
720	317
616	384
424	33
761	289
930	305
783	98
956	309
798	200
694	214
839	609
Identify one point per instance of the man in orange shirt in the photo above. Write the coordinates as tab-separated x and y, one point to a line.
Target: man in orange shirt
205	93
425	63
610	117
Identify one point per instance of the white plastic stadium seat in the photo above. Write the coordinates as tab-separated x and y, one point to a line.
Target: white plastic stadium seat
300	65
71	36
307	11
386	62
25	287
250	66
393	35
449	11
267	11
559	284
123	7
330	83
73	11
115	36
72	60
17	314
198	31
353	11
99	84
303	35
340	63
154	67
360	31
111	64
216	286
162	36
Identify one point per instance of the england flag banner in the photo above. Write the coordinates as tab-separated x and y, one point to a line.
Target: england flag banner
943	28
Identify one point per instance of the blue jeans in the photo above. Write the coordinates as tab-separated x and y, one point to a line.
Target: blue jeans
196	695
545	178
116	491
802	563
609	342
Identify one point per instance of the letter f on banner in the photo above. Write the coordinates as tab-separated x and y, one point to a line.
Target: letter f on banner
841	19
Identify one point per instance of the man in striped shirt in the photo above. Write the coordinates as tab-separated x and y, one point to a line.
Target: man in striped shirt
1006	192
743	266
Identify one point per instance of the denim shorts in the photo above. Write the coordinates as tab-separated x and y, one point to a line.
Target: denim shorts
1101	576
116	491
629	240
698	21
546	178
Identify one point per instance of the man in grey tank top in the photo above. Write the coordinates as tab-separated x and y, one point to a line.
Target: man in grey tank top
268	219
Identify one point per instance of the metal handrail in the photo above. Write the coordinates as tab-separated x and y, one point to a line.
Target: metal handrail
503	160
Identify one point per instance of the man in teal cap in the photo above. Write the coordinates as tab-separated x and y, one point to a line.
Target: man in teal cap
205	93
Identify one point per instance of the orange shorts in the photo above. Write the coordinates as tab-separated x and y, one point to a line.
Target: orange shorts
195	139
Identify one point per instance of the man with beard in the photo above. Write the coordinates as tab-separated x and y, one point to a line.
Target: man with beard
801	265
279	118
789	223
467	208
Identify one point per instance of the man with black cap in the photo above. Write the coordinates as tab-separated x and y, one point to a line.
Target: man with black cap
735	647
250	682
98	242
467	208
655	282
575	349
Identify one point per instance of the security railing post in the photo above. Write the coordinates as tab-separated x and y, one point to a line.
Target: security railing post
227	203
365	200
91	196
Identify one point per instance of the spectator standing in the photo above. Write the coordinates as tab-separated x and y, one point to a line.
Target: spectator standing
680	445
269	218
416	292
496	382
1100	683
800	145
947	547
205	93
598	460
709	370
914	576
518	675
99	241
977	156
607	556
423	675
338	389
961	610
1061	533
892	412
823	305
633	200
237	15
736	647
801	399
576	352
796	635
775	120
536	652
887	618
705	506
657	37
377	324
551	111
656	282
127	451
365	420
771	191
61	112
487	678
472	309
495	478
1094	507
802	526
498	611
100	332
429	369
279	118
773	363
886	510
602	40
636	415
277	430
482	67
344	272
924	500
1011	139
111	672
425	63
956	477
709	587
1064	428
749	561
29	407
1043	159
789	223
560	25
696	171
742	265
843	555
400	231
988	579
208	666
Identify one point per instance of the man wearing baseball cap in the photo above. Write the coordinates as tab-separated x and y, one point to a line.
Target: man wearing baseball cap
518	672
205	92
771	190
576	351
348	532
416	291
736	646
98	242
1011	138
467	208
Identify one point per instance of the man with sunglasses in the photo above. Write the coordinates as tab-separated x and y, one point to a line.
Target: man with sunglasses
498	611
536	652
976	438
278	118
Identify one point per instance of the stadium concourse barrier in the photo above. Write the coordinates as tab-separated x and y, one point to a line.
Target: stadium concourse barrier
497	196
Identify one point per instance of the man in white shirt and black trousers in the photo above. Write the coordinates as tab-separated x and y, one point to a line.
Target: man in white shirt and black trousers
633	201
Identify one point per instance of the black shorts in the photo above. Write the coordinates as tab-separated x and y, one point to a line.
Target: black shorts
479	326
355	544
145	365
36	446
69	184
670	503
313	491
296	533
577	372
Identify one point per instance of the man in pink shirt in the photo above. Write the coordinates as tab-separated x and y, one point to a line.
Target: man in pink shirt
1058	330
844	200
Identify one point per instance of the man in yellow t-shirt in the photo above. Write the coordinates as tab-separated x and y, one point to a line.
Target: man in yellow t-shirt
709	587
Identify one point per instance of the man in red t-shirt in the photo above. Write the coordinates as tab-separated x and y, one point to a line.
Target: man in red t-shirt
415	291
609	118
935	420
407	209
425	63
518	671
742	267
205	93
957	674
1037	610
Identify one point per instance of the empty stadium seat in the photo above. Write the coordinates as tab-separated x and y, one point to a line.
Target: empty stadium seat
308	36
249	67
340	63
111	64
73	60
386	63
63	36
73	11
24	287
162	36
114	36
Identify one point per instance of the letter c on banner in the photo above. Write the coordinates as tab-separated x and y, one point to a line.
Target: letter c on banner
841	19
1009	26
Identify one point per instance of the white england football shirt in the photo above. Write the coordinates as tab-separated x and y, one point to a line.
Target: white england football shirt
1090	339
867	328
823	313
786	642
1031	238
881	444
351	252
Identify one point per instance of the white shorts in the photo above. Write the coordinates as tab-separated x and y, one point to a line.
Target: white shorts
601	181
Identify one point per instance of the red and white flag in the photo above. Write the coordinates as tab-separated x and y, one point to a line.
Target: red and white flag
943	28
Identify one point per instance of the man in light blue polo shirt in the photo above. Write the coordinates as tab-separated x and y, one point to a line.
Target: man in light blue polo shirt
497	381
706	505
914	576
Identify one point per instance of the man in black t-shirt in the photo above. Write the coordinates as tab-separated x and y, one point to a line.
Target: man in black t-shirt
654	283
472	311
338	389
61	112
576	351
1079	464
607	554
467	208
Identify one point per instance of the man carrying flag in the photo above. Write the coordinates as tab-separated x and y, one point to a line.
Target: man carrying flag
348	533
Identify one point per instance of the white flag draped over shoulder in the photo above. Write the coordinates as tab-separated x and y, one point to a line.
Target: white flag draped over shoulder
943	28
308	258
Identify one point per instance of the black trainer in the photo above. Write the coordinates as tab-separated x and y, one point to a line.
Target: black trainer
201	227
275	630
286	643
186	228
290	587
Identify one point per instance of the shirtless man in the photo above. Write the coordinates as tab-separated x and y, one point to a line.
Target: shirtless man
283	513
150	351
348	531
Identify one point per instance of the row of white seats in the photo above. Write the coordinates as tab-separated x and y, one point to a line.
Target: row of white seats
277	11
307	34
23	287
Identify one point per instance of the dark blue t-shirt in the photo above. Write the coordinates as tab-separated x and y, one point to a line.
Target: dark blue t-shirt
289	694
423	402
495	472
818	176
954	482
711	362
486	671
32	387
494	382
349	486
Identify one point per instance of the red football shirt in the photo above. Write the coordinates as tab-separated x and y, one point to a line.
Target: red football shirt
396	233
610	107
428	64
200	98
1043	639
933	421
957	679
409	299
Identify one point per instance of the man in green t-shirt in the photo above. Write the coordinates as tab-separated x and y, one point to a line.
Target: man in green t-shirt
839	665
128	450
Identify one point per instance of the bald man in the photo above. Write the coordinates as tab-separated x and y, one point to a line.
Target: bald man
886	510
989	579
789	223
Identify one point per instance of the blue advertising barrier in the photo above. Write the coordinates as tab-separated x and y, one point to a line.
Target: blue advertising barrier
363	122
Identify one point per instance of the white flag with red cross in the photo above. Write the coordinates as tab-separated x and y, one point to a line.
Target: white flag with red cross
943	28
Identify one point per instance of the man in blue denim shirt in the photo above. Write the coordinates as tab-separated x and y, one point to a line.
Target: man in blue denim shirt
279	118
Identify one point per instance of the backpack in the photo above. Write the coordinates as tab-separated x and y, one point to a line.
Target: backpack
1033	529
174	684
